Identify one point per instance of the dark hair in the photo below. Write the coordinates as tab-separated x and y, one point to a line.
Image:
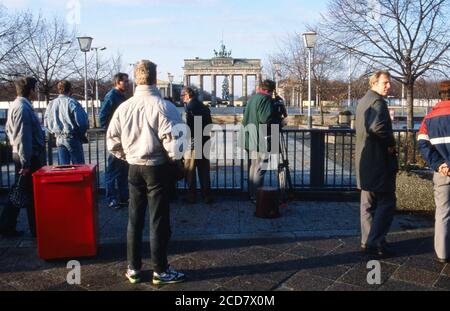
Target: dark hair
190	91
119	77
64	87
268	85
24	86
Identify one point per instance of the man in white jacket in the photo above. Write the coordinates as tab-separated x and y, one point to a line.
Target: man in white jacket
143	131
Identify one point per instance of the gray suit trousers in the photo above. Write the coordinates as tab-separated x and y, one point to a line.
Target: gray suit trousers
441	228
377	213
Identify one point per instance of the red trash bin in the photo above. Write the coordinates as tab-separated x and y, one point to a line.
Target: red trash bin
66	211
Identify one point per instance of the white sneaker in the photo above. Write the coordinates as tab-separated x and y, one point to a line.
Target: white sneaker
134	276
170	276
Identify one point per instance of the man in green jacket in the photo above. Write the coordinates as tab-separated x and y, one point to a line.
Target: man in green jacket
258	118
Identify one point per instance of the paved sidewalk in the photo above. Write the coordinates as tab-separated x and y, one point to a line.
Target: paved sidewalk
313	246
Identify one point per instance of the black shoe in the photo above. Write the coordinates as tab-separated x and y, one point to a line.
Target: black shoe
385	251
441	260
363	247
11	233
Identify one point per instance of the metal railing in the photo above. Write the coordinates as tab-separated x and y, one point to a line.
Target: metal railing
319	158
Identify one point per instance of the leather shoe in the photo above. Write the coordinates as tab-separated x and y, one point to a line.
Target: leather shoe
381	251
441	260
385	251
11	233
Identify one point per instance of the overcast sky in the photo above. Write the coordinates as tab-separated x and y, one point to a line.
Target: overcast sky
169	31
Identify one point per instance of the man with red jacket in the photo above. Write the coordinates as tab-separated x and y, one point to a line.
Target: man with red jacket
434	145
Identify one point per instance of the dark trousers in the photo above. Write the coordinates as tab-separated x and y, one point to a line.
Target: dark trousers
8	218
202	165
377	214
148	188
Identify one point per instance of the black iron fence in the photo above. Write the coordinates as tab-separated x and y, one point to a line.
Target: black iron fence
319	159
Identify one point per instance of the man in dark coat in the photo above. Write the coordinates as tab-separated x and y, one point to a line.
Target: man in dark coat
376	165
197	113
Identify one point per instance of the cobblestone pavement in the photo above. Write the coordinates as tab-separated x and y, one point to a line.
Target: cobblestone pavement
313	246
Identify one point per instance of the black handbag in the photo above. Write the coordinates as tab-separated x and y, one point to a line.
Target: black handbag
20	195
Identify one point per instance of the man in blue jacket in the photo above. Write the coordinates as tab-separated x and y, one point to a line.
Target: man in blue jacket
434	145
27	140
117	169
65	118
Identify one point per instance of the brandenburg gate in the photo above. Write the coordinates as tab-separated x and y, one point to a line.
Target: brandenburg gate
223	65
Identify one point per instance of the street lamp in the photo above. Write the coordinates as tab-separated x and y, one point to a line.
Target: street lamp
85	46
96	49
170	76
309	39
349	77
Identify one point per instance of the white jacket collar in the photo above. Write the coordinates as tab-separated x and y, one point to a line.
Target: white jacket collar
143	90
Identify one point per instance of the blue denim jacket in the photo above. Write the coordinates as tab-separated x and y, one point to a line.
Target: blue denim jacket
65	118
112	100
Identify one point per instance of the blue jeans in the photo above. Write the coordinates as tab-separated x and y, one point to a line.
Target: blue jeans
116	172
148	189
71	152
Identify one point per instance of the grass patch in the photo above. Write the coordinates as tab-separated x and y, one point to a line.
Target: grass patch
415	192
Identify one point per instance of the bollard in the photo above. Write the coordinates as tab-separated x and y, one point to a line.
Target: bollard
317	158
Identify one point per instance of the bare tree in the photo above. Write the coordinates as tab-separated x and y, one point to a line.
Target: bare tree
293	57
406	37
48	54
12	36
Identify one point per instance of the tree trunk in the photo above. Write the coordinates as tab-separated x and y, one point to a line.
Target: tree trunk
410	103
409	148
301	98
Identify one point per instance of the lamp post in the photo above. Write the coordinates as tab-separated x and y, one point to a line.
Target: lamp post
349	78
96	49
170	76
309	39
85	46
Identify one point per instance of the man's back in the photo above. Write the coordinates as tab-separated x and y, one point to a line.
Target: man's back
139	126
65	116
29	132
